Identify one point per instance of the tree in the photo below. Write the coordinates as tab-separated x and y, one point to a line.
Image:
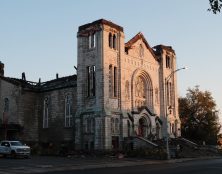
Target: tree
215	6
199	118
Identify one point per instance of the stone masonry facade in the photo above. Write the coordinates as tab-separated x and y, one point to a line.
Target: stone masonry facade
121	90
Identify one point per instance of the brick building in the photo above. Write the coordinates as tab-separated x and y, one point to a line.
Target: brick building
121	90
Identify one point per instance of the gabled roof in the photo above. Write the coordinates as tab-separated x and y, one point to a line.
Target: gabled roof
138	36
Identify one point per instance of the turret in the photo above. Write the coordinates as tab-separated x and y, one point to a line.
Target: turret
1	69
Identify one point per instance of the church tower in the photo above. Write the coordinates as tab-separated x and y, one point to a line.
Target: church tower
168	84
99	52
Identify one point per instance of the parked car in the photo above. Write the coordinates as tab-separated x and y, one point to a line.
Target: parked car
14	149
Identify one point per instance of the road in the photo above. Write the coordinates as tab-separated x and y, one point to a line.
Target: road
191	167
60	165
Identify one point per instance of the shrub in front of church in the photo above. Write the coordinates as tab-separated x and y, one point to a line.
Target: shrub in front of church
157	153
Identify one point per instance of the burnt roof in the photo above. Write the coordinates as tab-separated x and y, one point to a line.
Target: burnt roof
63	82
159	48
101	21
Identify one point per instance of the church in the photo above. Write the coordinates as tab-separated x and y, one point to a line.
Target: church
122	91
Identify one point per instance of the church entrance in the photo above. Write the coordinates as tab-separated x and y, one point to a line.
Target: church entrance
143	127
115	142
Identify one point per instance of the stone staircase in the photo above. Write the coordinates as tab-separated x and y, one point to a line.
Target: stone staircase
136	142
189	149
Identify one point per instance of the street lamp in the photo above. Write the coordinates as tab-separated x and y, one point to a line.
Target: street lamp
168	108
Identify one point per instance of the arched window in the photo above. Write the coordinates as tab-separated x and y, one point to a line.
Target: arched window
6	105
46	113
110	40
114	41
91	80
68	116
157	131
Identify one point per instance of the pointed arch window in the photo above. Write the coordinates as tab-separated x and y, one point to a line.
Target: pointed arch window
46	113
91	80
68	115
6	105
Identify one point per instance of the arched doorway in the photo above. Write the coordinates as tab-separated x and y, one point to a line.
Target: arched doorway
143	127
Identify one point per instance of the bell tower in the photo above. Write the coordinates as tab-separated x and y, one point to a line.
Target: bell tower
98	54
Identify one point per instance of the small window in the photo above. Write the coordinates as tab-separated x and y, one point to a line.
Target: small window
110	81
91	80
88	71
115	82
141	51
168	62
110	40
114	41
92	40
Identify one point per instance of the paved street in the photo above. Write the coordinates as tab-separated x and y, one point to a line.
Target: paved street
189	167
43	164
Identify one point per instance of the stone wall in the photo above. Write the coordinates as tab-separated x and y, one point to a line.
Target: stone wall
56	131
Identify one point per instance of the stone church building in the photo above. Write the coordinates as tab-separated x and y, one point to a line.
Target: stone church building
122	90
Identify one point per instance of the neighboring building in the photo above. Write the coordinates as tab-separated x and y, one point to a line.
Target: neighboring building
121	90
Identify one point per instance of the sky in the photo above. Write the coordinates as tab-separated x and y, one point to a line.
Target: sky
38	37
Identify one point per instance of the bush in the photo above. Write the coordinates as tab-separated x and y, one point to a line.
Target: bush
148	153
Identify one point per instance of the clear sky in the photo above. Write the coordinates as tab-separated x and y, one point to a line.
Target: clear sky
38	37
